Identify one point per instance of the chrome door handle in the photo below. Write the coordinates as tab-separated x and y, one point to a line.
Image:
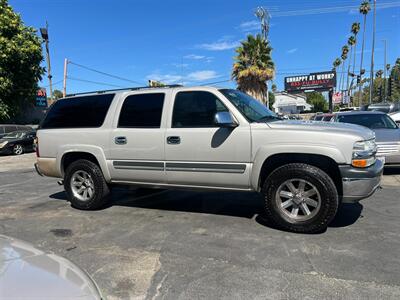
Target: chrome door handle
120	140
173	140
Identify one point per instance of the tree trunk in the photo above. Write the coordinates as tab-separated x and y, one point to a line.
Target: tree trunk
348	70
361	63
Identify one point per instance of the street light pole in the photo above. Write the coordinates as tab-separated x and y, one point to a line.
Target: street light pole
385	74
65	78
263	15
45	35
371	82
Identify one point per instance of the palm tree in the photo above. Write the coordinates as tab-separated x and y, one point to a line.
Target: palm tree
336	63
364	9
379	74
253	67
351	42
344	57
355	28
345	50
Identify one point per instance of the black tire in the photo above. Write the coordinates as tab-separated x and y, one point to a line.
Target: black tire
322	183
101	191
18	149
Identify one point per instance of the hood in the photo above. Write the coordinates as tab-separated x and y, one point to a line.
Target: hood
29	273
387	135
324	127
8	140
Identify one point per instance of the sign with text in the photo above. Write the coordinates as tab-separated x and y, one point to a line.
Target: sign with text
41	98
337	98
315	81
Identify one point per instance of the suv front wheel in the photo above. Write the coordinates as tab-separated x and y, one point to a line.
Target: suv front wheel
300	198
85	185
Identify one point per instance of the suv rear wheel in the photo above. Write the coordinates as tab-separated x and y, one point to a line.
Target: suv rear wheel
85	185
300	198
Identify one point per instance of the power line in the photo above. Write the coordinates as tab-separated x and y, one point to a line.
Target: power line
54	83
216	82
326	10
103	73
94	82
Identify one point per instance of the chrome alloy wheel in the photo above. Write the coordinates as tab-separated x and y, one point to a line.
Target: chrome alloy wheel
82	185
18	149
298	199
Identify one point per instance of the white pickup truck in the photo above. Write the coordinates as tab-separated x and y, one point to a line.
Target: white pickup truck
211	139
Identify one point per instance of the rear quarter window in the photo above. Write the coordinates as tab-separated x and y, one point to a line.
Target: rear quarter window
78	112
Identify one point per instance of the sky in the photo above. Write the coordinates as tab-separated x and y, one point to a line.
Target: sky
193	42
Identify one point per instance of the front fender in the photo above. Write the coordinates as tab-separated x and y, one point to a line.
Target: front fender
265	152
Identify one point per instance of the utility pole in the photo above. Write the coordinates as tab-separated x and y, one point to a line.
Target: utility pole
385	74
65	78
45	35
371	82
263	15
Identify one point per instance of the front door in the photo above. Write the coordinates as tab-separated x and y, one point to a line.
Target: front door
137	142
198	152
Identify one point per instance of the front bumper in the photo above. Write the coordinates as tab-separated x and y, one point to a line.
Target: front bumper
360	183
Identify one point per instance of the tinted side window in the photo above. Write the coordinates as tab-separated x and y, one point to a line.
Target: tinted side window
142	111
9	129
196	109
85	111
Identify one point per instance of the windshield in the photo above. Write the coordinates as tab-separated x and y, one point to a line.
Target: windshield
251	109
14	135
372	121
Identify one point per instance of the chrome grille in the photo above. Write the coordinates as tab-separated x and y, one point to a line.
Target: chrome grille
388	148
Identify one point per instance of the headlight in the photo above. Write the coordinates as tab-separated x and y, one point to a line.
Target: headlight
3	144
364	154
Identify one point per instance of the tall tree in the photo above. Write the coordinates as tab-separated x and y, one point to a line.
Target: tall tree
355	29
318	101
57	94
336	63
253	66
345	50
20	70
394	85
351	42
364	10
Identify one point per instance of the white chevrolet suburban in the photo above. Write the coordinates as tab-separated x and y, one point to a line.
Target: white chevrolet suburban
206	138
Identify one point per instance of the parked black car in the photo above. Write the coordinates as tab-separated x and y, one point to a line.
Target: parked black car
8	128
17	142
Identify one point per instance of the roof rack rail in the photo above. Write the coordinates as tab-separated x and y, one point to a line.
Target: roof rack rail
126	89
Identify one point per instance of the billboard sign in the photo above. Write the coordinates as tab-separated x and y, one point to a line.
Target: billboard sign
321	81
41	98
337	98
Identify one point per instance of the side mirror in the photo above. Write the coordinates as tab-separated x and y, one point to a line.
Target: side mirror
224	119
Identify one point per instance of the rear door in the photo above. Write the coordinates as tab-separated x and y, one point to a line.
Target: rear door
137	140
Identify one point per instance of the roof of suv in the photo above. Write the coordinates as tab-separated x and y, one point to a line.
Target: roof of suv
144	88
360	112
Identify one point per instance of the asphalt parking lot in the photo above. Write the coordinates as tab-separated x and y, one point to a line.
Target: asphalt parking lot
192	245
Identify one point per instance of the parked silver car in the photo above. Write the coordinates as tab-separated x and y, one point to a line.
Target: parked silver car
29	273
386	131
